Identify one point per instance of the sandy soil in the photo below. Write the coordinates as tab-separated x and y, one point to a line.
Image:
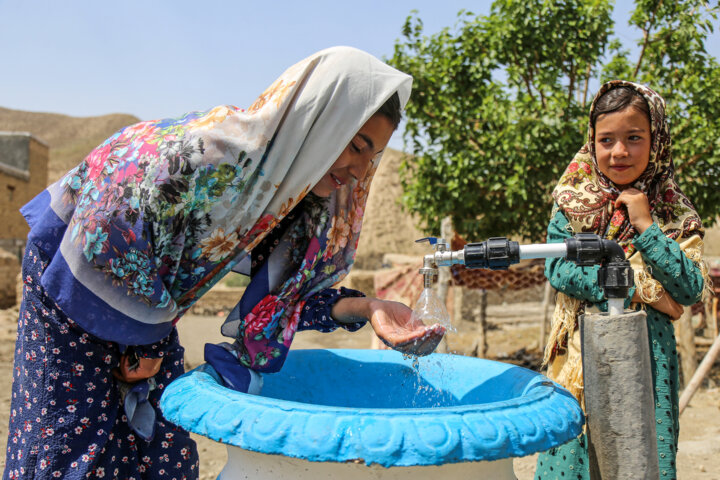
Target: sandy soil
510	340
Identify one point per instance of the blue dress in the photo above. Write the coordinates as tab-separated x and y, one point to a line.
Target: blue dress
67	417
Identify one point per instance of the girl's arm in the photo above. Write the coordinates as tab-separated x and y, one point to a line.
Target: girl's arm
142	361
565	276
679	275
392	321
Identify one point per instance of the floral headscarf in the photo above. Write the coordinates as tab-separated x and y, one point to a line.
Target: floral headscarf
162	210
586	197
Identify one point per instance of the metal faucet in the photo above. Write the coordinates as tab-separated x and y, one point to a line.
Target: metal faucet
442	257
615	275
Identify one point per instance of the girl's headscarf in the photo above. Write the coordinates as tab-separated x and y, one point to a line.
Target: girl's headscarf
586	197
162	210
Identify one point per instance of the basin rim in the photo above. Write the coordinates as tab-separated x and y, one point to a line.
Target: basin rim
546	415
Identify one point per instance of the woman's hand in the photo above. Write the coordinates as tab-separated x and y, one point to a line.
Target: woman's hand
393	324
666	304
131	372
638	208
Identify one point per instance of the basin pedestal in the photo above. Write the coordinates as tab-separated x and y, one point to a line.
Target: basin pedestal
243	464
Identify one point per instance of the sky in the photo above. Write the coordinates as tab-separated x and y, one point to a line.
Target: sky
161	58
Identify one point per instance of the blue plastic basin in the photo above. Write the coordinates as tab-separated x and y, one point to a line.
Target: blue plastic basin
372	405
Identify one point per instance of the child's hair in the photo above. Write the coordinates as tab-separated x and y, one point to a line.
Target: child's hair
391	109
618	99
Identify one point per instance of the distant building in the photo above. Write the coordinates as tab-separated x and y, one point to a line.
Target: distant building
23	174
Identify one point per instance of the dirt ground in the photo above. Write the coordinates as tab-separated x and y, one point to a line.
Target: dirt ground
512	338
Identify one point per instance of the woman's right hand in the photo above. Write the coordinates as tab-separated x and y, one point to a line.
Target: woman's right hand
131	372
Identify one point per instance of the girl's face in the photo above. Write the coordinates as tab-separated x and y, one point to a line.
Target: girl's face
622	145
355	160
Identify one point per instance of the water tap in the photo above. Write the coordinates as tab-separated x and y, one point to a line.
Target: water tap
615	275
442	256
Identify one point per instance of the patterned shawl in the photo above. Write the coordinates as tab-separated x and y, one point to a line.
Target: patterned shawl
162	210
586	197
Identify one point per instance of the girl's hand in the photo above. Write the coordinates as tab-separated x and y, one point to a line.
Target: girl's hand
394	325
638	208
130	372
666	304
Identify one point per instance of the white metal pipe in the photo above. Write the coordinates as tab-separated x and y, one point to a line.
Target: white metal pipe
543	250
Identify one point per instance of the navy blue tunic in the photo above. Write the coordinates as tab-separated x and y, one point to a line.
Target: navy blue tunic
67	415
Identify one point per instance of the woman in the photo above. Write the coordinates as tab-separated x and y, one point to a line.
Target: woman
124	244
621	185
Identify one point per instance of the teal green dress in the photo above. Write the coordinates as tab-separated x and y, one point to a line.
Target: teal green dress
681	278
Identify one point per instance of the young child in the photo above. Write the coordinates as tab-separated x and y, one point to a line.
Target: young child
621	185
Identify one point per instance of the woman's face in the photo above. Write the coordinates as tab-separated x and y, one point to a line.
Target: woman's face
355	160
622	145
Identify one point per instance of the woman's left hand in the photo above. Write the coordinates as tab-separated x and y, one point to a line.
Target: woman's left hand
395	326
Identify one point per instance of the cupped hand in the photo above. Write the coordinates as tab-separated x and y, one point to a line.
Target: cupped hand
638	208
129	372
395	325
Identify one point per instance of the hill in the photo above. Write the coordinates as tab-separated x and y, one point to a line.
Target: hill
69	138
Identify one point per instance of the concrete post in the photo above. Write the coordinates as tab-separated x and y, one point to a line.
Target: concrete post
619	396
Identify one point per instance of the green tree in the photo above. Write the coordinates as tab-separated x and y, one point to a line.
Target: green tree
500	105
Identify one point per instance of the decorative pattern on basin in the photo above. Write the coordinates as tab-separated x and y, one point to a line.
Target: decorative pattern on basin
373	406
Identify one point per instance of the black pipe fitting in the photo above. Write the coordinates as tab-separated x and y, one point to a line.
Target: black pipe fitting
585	249
615	275
616	279
497	253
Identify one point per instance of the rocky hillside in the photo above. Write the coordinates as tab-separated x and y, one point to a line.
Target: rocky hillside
69	138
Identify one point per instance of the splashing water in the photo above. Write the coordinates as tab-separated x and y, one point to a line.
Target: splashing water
430	310
428	395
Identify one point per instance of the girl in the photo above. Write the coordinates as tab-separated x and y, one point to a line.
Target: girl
621	185
124	244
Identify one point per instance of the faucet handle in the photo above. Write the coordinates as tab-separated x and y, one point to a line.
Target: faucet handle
440	243
430	240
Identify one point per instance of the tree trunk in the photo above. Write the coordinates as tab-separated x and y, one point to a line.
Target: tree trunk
443	283
479	346
686	344
545	319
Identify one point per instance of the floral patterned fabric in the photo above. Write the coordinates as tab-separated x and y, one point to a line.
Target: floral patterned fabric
162	210
586	196
665	257
67	416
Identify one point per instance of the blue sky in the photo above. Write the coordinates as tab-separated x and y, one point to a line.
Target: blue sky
160	58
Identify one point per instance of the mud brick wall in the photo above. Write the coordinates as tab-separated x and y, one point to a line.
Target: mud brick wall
23	174
9	278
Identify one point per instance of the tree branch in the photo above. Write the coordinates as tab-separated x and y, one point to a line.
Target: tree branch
692	160
586	86
571	86
646	38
